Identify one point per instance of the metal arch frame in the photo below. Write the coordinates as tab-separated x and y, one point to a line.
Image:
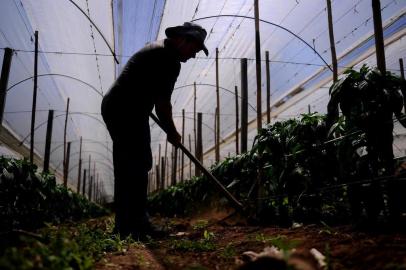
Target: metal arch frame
98	162
208	84
98	30
274	24
43	123
92	141
88	151
56	74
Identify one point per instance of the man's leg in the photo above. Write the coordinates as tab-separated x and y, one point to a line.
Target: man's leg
131	166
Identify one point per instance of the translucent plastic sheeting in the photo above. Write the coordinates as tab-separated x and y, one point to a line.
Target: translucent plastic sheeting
62	28
293	63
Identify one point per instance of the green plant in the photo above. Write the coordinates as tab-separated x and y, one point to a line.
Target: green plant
228	251
204	244
200	224
63	247
29	200
368	100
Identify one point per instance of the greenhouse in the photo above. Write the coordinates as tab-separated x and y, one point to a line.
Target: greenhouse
202	134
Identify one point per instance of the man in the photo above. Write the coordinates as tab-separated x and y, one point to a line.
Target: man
146	81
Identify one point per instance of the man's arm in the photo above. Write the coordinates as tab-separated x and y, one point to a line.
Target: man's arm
164	112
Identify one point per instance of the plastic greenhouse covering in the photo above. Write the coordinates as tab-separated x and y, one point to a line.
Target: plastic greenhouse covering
75	62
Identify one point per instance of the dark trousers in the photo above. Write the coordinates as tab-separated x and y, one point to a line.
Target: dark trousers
132	160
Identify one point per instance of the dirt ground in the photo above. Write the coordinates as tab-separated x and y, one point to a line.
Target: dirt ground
207	243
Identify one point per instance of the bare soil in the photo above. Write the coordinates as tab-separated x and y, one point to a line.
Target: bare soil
225	241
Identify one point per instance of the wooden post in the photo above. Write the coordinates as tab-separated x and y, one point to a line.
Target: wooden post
167	171
34	98
332	42
215	134
258	65
236	121
64	134
173	171
158	180
199	148
194	116
268	89
183	142
94	170
90	188
175	165
90	163
379	41
402	75
162	184
164	175
66	168
158	176
95	191
5	72
190	161
48	140
217	130
96	183
309	110
84	183
80	165
244	105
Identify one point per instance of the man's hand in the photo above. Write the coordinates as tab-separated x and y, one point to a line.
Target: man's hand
174	137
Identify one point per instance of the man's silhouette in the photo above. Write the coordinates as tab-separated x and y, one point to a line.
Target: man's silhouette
146	81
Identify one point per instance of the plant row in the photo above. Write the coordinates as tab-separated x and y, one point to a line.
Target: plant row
314	167
29	199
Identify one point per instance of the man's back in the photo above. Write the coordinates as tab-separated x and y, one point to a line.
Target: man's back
149	74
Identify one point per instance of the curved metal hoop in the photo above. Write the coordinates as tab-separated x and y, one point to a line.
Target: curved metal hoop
56	74
98	30
274	24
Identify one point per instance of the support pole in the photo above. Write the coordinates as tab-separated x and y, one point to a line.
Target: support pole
244	105
80	165
215	134
173	170
48	140
34	98
402	75
159	168
158	176
64	134
165	176
236	122
66	168
217	130
94	170
332	42
175	165
190	161
379	41
84	183
194	115
268	89
258	65
183	142
162	184
5	72
90	188
90	163
199	148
